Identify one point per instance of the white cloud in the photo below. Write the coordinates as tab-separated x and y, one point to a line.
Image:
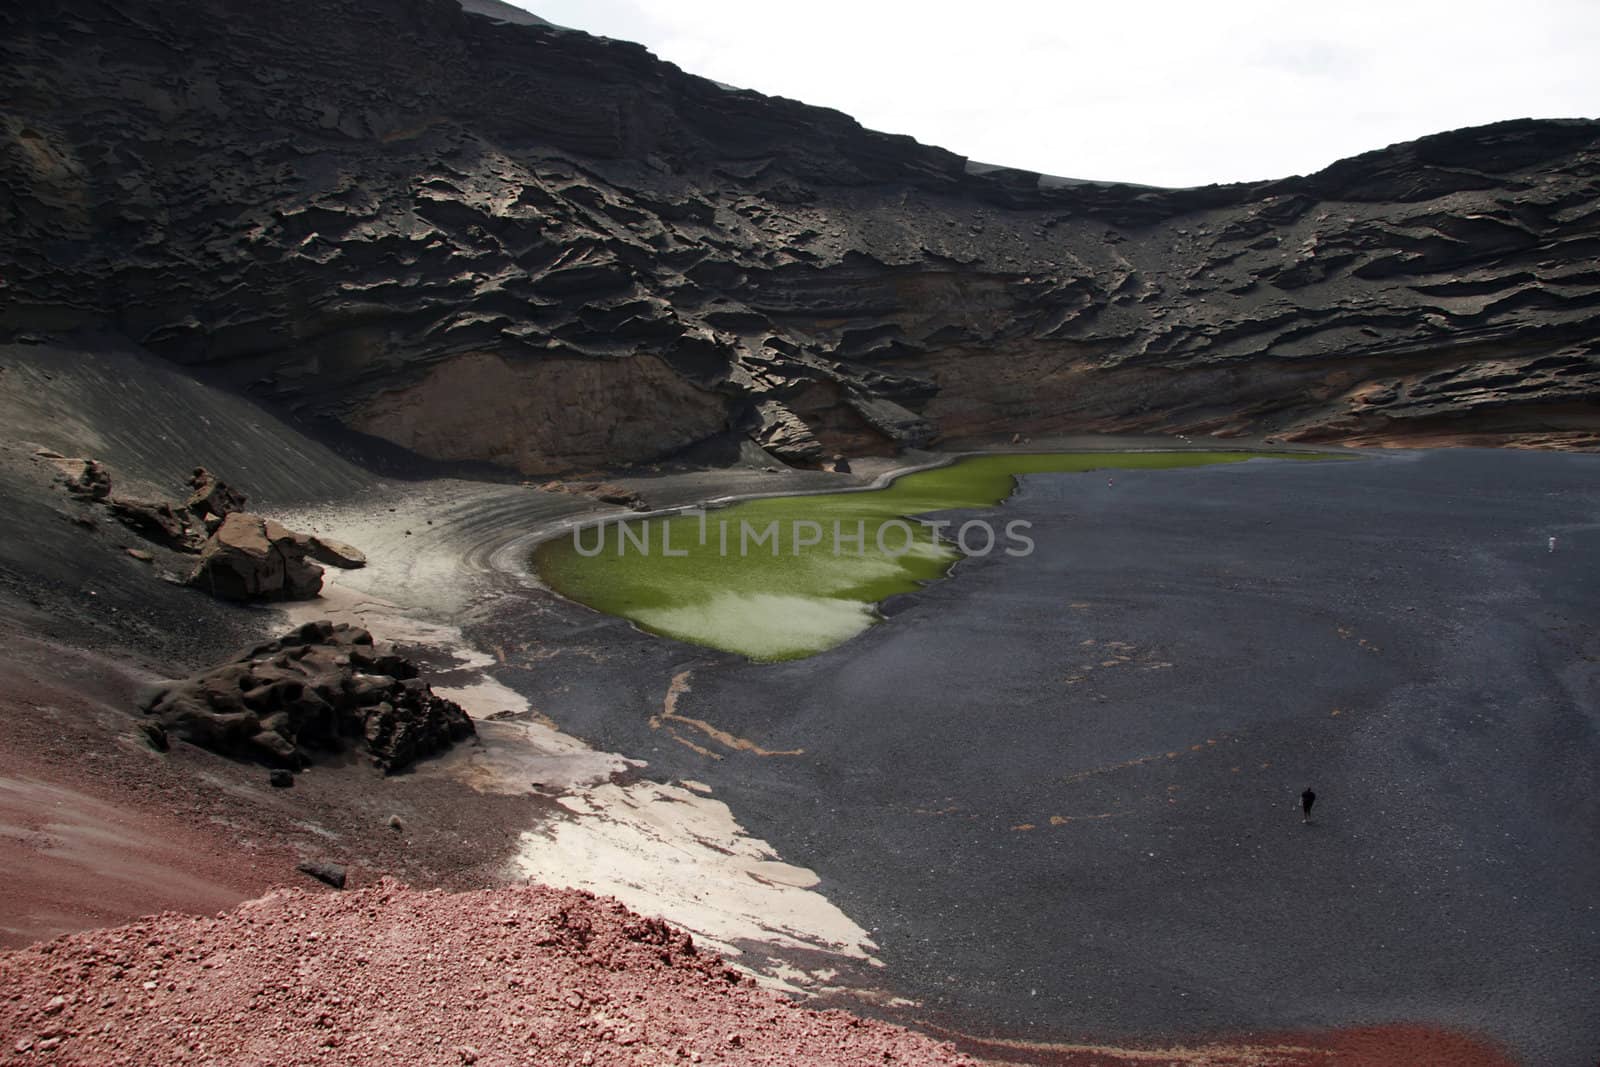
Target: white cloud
1165	91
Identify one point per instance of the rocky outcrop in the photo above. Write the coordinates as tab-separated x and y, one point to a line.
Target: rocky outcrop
212	499
88	479
159	522
604	492
242	556
253	558
180	527
518	244
335	553
316	692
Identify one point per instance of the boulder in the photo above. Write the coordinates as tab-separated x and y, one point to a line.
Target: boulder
336	553
319	690
615	494
253	558
212	496
332	874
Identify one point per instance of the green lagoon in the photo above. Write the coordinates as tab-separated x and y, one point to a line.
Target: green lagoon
780	578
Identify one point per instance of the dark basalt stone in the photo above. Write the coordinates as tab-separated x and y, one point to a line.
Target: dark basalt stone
330	874
317	691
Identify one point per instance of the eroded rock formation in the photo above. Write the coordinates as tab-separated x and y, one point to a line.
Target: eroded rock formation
514	243
212	499
317	691
242	556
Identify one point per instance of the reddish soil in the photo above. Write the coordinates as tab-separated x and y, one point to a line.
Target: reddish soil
393	975
97	828
73	860
94	827
1388	1046
1398	1045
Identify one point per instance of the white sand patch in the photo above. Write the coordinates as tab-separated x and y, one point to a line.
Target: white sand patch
484	698
666	851
518	757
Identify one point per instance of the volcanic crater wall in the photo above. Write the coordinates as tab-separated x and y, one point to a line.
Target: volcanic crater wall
525	245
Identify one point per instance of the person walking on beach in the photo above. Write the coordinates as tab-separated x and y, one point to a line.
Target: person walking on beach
1307	799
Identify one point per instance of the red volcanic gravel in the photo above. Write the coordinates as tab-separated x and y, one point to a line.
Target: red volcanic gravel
383	975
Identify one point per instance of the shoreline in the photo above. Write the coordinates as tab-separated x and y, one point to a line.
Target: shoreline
476	539
525	552
889	477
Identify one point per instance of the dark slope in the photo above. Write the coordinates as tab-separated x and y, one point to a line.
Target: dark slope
530	246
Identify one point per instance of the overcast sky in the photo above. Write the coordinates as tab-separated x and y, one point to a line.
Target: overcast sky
1165	92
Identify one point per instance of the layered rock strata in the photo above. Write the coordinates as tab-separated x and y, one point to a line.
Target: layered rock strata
519	244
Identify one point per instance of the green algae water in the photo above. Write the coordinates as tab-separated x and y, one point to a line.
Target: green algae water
781	578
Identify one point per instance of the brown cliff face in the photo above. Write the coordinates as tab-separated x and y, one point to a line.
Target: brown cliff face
544	416
529	246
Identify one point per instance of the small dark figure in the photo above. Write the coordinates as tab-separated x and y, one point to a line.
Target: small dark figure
1307	799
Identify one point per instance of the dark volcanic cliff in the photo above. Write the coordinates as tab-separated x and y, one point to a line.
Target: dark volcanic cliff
538	248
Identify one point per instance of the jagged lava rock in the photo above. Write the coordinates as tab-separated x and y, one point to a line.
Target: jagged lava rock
317	691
